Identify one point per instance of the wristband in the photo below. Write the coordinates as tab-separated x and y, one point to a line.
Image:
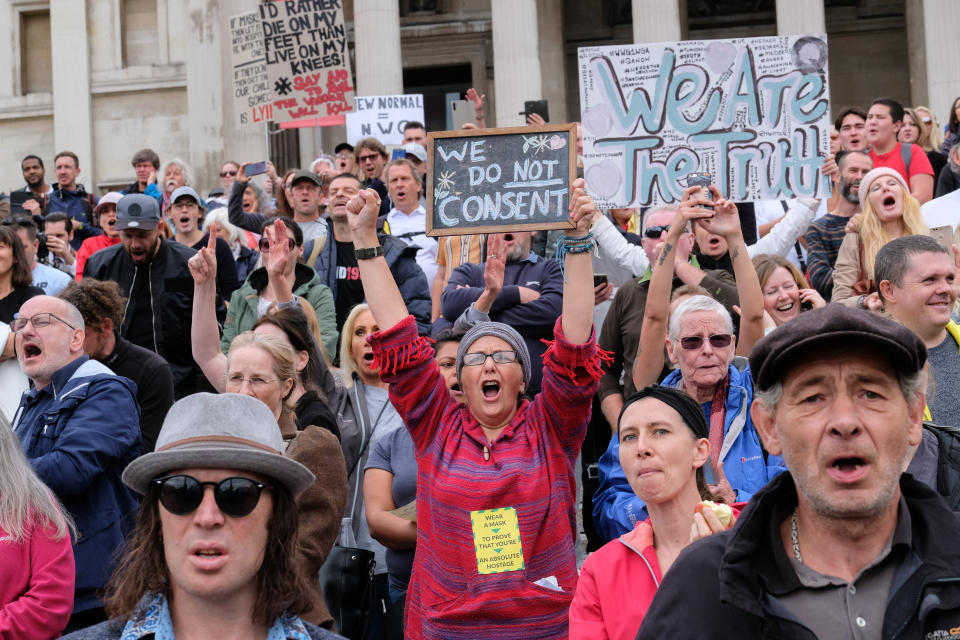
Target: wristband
289	304
368	253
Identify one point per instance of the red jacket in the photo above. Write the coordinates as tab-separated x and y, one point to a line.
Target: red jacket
617	584
89	247
36	588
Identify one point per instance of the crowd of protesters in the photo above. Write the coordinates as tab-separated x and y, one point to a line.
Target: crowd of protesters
772	390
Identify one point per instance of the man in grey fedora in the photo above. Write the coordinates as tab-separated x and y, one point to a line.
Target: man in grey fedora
211	554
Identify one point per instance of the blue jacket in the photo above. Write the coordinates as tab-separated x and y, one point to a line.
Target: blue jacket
79	205
402	260
616	508
534	320
79	432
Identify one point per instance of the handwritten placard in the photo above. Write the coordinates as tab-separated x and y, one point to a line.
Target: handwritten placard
753	112
383	117
251	89
305	47
499	180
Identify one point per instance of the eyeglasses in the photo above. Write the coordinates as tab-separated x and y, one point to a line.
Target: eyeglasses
38	321
717	341
367	157
478	357
224	174
256	382
926	120
236	497
264	244
344	156
654	232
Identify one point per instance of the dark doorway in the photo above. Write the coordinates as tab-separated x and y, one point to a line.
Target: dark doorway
439	85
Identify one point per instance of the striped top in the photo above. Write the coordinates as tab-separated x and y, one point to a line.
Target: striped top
531	468
824	237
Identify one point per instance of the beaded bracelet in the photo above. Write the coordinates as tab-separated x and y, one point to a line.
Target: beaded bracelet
567	245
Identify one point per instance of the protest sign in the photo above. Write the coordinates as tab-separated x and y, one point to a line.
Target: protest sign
383	117
499	180
753	112
308	67
251	90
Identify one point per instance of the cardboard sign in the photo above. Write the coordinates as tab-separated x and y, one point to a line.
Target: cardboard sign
383	117
753	112
251	90
496	540
499	180
305	47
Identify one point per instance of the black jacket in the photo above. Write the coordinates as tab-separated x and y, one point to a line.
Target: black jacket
726	576
171	293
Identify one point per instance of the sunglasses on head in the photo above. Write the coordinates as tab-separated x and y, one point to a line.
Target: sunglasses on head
235	497
264	244
717	341
654	232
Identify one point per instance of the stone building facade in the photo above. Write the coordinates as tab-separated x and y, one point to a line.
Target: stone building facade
106	77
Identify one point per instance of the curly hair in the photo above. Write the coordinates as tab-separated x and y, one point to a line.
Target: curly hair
142	567
96	300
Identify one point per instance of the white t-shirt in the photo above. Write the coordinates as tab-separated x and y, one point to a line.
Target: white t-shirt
766	211
412	229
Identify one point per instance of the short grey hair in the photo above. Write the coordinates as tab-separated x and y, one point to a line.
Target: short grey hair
187	172
73	314
219	216
912	386
697	303
323	158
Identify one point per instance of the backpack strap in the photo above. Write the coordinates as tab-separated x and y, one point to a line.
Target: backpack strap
906	154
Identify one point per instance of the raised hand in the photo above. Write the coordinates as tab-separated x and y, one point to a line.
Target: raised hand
242	176
812	298
495	264
203	264
535	119
583	210
362	212
726	220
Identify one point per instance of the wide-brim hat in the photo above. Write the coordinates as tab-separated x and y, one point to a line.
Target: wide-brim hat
219	431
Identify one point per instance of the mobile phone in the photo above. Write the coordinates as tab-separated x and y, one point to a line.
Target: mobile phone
943	235
599	279
255	168
538	107
18	198
702	179
462	112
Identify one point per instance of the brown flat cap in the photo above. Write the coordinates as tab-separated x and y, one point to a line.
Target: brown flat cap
828	330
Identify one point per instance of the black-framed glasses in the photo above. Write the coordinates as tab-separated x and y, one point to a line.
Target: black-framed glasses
654	232
264	244
717	341
38	320
235	497
479	357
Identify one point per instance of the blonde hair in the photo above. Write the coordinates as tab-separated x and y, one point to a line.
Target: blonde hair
923	138
347	364
25	502
314	325
765	264
284	366
872	235
935	138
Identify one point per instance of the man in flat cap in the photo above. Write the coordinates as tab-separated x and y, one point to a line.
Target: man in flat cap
843	545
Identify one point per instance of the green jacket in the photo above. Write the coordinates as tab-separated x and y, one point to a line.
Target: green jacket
243	311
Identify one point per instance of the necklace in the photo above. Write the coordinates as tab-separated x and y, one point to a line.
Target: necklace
793	537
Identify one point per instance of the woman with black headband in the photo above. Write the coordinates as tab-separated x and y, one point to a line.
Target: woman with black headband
663	449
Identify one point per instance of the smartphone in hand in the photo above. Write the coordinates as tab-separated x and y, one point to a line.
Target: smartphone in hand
255	168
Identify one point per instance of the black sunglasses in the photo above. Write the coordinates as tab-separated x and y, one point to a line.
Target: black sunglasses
654	232
236	497
717	341
264	244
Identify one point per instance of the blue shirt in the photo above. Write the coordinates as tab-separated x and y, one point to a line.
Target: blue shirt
51	280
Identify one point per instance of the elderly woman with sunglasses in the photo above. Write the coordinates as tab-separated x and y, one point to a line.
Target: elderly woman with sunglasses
699	338
496	482
277	283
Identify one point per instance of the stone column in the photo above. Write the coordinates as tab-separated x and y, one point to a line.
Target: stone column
795	17
377	44
516	58
941	50
658	20
72	107
204	90
553	59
